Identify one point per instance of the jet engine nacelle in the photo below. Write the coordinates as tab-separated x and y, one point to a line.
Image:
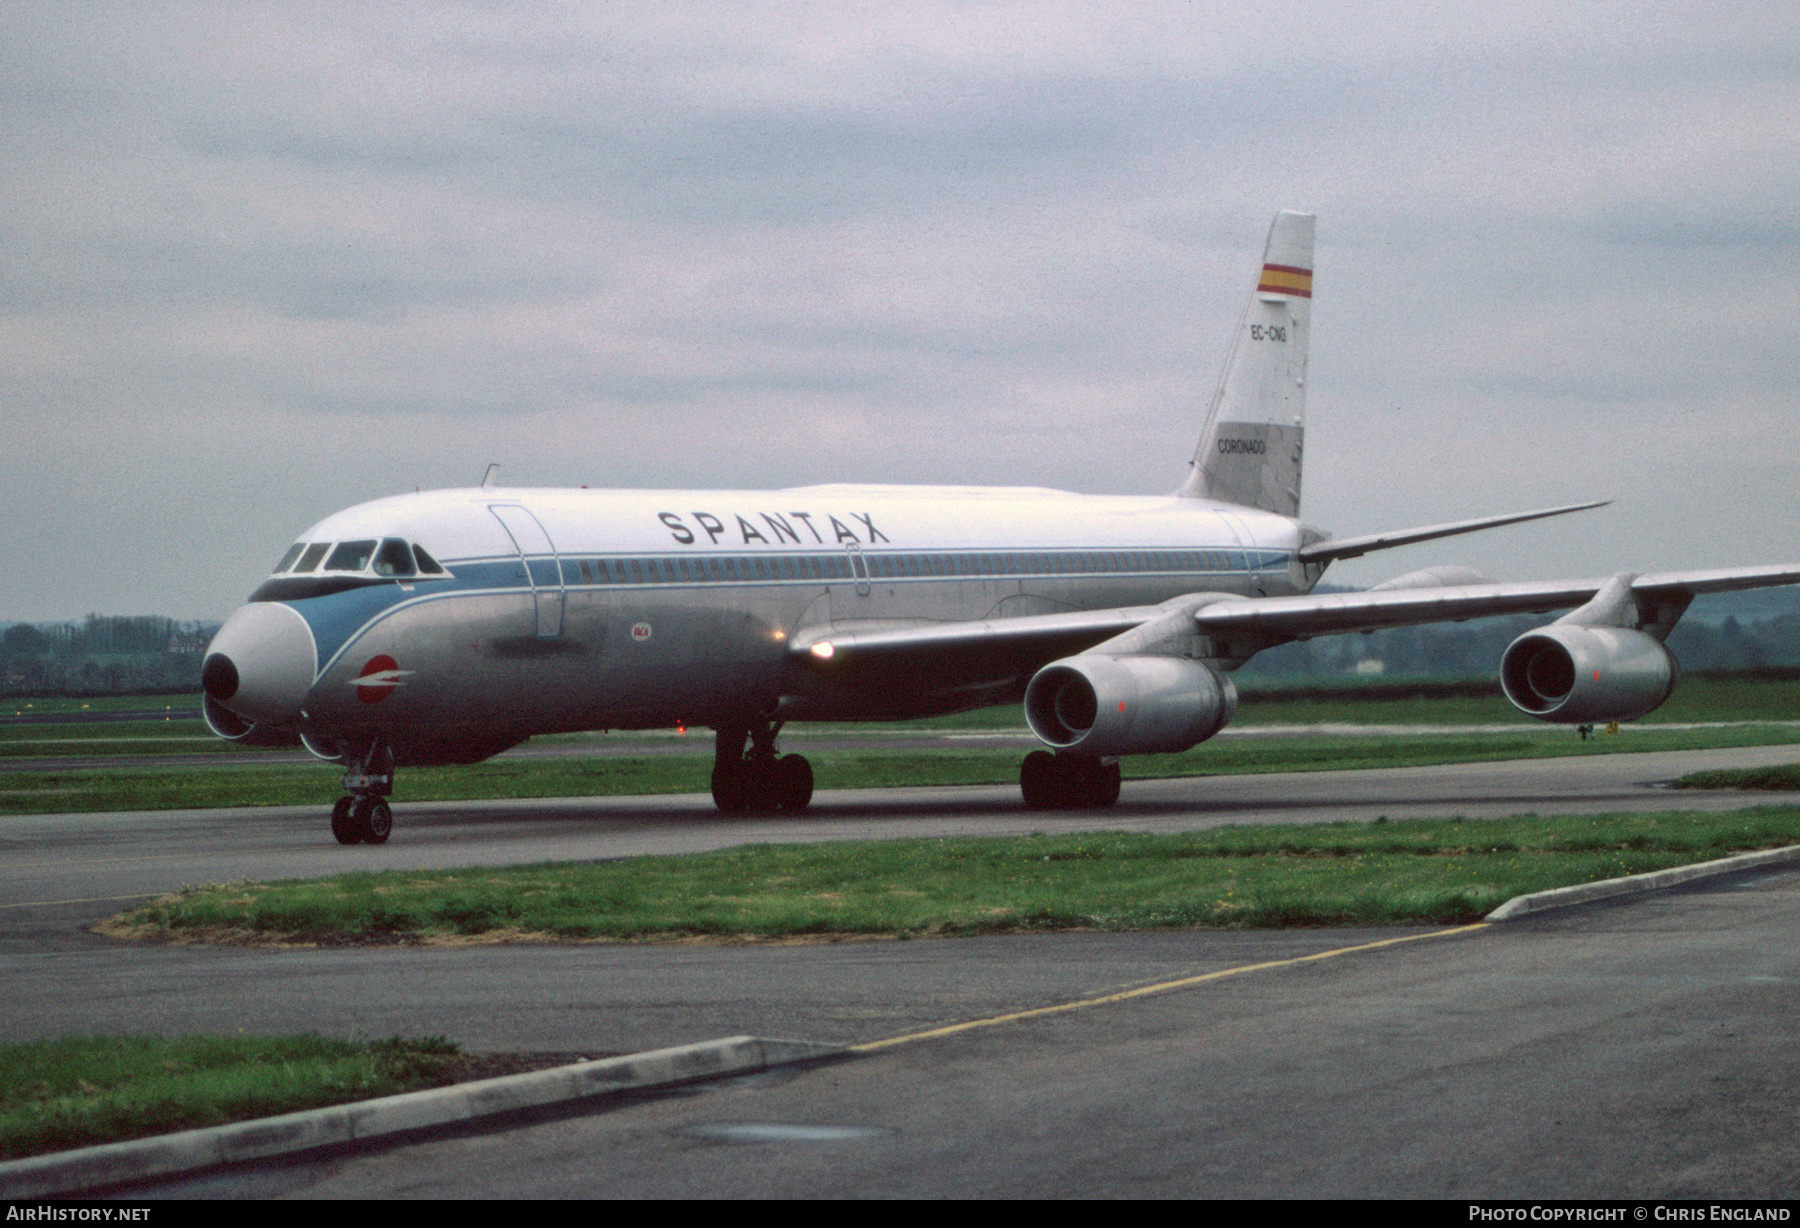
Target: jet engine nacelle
1101	705
1583	675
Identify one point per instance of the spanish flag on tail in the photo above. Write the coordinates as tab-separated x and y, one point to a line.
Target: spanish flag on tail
1285	279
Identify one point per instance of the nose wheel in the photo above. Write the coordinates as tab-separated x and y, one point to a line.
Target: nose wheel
365	817
362	820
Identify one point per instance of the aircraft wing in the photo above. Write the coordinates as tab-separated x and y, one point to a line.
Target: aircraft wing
1284	618
986	652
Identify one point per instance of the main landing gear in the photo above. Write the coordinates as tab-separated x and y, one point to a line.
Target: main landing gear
1068	781
757	778
364	816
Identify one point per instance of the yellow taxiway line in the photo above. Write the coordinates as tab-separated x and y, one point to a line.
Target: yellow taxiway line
1144	991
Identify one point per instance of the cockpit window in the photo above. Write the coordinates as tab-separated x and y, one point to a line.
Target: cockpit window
310	560
350	556
393	559
428	566
287	560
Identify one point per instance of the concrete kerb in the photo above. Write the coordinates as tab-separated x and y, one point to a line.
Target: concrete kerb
1656	880
192	1150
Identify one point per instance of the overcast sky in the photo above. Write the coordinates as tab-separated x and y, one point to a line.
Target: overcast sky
261	262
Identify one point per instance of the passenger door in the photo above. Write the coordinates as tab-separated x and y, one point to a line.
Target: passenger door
543	567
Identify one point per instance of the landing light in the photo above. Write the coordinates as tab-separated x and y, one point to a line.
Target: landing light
824	650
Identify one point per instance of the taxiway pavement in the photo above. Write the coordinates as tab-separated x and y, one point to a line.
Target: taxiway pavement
1643	1048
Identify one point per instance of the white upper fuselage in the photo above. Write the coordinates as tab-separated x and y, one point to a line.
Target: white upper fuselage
453	523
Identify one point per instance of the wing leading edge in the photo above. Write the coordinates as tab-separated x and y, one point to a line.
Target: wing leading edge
1335	613
1027	642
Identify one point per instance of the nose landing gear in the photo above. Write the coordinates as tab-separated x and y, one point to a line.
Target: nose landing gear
364	817
361	820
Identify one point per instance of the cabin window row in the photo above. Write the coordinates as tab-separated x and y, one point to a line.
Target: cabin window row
703	569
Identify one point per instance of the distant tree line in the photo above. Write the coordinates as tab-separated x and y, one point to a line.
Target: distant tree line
1464	650
104	654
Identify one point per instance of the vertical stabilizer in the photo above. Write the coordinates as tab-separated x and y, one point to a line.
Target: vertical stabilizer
1250	447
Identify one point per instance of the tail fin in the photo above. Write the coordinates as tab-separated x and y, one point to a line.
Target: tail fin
1250	447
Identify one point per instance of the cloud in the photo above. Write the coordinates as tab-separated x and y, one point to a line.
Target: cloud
264	261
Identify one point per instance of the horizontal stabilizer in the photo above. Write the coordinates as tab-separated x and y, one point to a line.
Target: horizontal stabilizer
1354	547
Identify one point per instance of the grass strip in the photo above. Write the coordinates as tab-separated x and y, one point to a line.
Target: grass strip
1782	777
61	1094
1746	695
38	705
1447	870
684	765
259	783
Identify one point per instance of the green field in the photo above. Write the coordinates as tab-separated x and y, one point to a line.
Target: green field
172	728
1443	871
255	783
28	704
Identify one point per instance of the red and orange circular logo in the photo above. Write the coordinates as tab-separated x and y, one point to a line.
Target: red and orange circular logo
380	675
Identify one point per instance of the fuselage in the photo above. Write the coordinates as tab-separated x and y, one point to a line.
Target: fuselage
456	623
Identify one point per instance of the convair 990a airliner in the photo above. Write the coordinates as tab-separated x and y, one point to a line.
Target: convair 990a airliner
447	626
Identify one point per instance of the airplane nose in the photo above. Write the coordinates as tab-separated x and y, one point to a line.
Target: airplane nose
261	664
